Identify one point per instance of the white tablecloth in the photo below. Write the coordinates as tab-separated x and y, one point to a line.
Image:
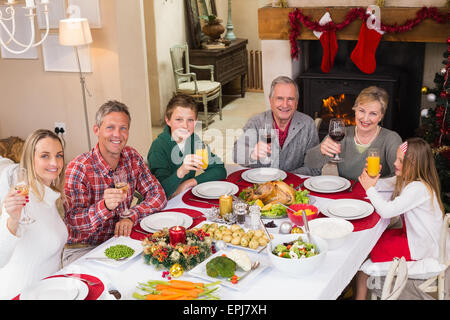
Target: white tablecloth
327	282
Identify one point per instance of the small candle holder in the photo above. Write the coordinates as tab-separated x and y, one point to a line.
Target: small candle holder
177	235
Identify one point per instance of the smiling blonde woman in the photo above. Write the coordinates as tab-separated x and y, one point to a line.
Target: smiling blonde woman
370	107
31	252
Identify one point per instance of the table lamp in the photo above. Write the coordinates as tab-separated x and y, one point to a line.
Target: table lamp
76	32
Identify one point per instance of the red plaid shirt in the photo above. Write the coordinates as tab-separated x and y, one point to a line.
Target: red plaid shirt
87	177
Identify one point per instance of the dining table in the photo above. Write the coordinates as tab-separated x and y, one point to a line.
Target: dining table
326	282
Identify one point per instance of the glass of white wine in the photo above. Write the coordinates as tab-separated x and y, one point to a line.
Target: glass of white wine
22	187
121	182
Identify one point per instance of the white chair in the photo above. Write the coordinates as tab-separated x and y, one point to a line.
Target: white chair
399	270
437	283
186	81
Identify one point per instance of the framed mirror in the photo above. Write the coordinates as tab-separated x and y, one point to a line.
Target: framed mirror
195	9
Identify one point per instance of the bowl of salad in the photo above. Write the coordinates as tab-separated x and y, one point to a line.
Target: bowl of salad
293	255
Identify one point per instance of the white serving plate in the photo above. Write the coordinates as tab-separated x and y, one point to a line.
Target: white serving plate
56	288
262	175
99	252
199	271
327	184
168	219
214	189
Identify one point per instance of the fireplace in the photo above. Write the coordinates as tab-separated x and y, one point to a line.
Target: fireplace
331	95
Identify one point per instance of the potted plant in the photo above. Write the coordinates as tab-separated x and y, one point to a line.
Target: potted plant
213	28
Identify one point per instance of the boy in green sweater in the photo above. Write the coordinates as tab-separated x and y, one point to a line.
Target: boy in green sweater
172	156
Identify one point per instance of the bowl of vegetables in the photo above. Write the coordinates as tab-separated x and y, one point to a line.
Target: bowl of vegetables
295	213
293	255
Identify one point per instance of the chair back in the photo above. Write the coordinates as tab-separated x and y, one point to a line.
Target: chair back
399	270
443	241
179	55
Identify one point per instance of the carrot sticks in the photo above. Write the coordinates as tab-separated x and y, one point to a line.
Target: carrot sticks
177	290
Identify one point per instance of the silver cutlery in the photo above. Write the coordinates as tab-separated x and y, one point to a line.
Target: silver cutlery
287	207
351	187
300	185
306	225
105	258
90	283
202	201
141	232
255	265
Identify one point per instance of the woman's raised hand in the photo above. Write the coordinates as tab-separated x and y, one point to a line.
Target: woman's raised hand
329	147
13	203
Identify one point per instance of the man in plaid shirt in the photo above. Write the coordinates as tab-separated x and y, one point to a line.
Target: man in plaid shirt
92	204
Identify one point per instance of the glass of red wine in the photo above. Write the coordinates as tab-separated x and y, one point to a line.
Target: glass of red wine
336	132
267	134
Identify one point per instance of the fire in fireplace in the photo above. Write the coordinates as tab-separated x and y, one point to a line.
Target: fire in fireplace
331	95
338	106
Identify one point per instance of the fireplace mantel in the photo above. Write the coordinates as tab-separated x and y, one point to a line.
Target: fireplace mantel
273	24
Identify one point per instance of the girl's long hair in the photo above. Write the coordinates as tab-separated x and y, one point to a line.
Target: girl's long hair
27	162
419	165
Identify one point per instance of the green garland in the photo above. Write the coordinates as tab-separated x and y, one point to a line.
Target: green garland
159	252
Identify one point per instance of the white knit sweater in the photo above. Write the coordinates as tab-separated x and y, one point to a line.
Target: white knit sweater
35	252
423	216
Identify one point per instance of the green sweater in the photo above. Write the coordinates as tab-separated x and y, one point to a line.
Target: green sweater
165	157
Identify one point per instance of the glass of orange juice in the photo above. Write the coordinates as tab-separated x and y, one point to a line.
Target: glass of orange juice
203	152
373	162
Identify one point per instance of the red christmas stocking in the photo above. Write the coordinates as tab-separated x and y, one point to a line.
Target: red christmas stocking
364	53
329	44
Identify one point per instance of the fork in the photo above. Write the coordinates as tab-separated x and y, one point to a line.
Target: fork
351	187
255	265
90	283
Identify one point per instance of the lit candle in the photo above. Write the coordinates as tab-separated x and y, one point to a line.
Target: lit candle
30	4
177	235
11	1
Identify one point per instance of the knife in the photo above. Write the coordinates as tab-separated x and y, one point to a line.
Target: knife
353	184
300	185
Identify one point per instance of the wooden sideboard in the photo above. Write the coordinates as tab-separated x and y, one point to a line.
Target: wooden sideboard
229	62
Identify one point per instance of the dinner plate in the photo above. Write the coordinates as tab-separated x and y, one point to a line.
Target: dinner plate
262	175
214	189
349	208
168	219
99	252
327	184
327	213
199	271
56	288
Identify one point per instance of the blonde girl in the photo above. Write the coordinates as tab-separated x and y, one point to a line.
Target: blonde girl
416	198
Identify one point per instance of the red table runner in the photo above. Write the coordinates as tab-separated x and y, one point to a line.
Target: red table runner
196	215
190	199
95	290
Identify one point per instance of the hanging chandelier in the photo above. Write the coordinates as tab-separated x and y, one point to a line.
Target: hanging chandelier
8	25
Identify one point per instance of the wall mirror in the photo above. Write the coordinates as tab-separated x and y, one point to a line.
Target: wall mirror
195	9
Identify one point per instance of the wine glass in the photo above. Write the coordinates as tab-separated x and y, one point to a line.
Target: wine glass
22	187
121	182
266	135
336	132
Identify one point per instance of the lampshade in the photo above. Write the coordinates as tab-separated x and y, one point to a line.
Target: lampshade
74	32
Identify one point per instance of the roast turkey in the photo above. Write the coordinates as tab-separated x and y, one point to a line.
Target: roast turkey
271	192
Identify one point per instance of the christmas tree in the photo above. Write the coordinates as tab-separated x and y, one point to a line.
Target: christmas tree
435	127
